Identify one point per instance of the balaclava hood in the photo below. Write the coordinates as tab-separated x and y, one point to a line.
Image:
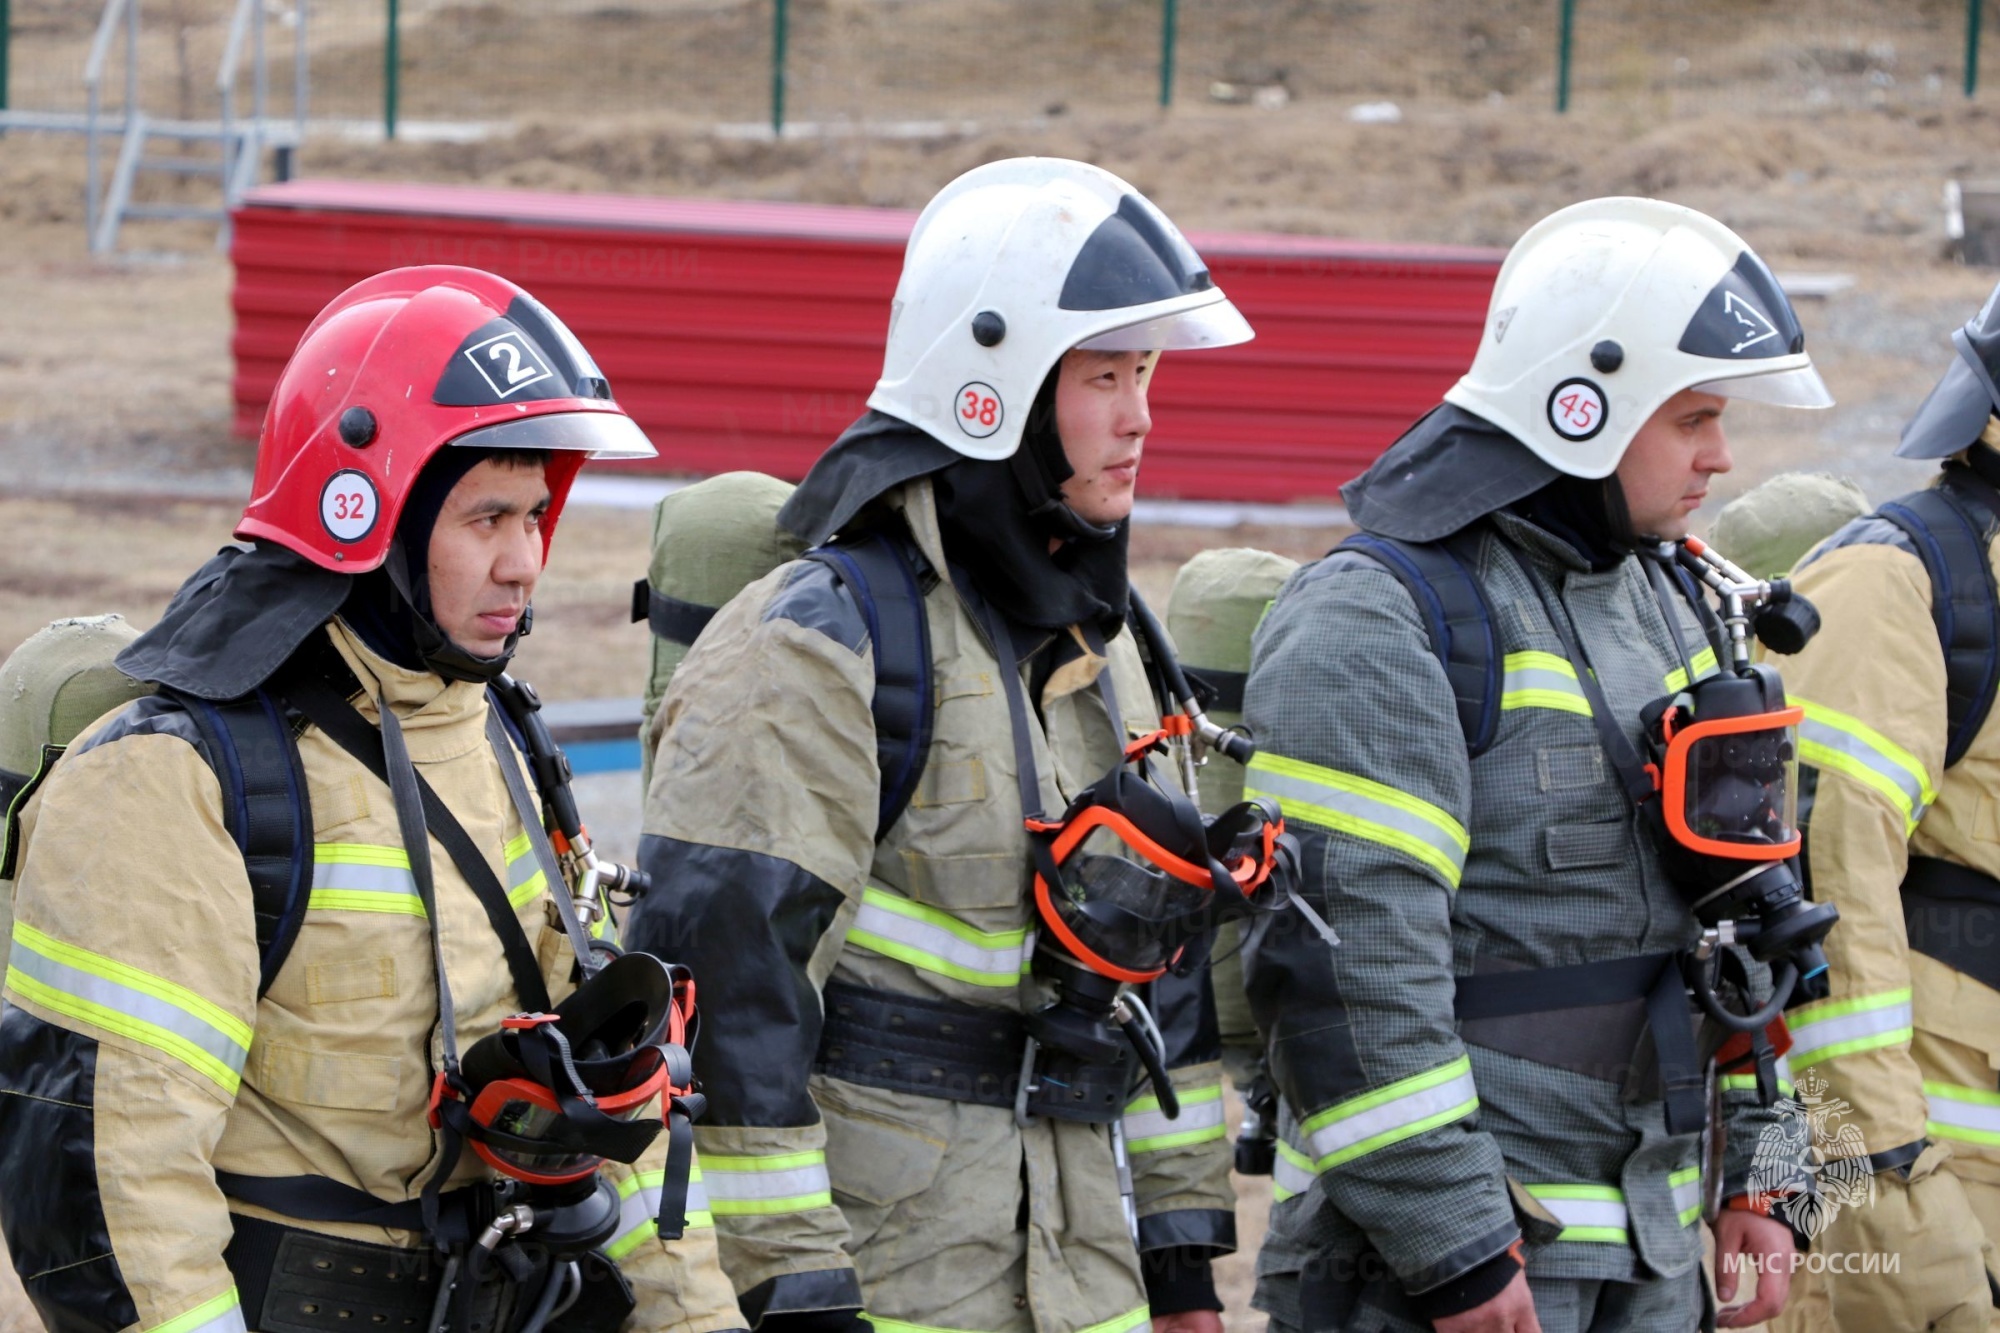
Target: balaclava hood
986	515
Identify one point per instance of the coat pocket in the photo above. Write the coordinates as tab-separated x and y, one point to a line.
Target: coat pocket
325	1078
875	1153
1586	846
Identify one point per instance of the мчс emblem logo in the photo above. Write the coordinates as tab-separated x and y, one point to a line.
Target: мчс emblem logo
1807	1167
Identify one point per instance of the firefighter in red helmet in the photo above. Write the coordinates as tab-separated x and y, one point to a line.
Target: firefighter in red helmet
261	912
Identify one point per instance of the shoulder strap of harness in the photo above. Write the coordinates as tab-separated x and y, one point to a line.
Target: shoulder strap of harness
1952	526
881	571
1458	617
255	755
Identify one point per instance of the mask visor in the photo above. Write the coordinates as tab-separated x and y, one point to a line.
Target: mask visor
1731	786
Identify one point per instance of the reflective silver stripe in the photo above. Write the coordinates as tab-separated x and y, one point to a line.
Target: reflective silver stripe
1591	1213
935	941
1970	1115
1831	739
1834	1028
1686	1186
1363	808
135	1004
1391	1114
1542	680
1147	1128
782	1183
362	877
1292	1173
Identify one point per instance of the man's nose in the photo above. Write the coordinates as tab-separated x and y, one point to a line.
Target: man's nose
1135	418
520	559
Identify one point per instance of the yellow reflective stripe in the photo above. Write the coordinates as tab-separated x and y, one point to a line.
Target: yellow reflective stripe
1588	1213
1830	739
749	1186
1970	1115
639	1207
1361	808
935	941
1135	1320
1391	1114
1685	1185
1704	666
1541	680
1834	1028
153	1011
363	877
1147	1128
1292	1173
525	879
223	1314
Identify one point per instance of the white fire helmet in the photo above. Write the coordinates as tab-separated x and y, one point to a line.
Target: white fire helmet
1012	265
1608	308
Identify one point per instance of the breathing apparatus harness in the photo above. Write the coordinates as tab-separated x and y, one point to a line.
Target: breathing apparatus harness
560	1087
1131	880
1716	787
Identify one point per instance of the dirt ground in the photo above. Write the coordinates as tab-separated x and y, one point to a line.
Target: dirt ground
117	475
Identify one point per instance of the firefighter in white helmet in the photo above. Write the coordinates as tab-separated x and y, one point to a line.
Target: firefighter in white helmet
842	769
1493	1090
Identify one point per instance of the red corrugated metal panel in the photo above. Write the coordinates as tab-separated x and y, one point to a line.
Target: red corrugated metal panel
746	335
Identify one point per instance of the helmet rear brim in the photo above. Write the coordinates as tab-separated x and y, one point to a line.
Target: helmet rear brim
1952	417
597	434
1800	386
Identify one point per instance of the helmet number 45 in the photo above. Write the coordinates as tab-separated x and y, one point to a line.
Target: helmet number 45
1576	409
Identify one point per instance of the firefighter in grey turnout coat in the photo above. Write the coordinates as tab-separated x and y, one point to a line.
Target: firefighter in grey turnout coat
867	952
1493	1100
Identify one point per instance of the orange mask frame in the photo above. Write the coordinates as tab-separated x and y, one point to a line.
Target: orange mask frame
1673	786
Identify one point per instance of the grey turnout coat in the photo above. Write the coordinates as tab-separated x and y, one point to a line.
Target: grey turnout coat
1415	1147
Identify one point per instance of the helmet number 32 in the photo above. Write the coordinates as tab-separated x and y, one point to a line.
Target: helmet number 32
1576	409
348	505
978	410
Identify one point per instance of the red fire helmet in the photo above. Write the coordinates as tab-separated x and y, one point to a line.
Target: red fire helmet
399	366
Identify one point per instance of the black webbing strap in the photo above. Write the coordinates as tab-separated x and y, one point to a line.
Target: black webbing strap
12	784
1543	989
1653	977
1618	748
318	1199
1951	526
878	570
327	708
1682	1080
1952	913
669	617
1667	589
1458	619
266	810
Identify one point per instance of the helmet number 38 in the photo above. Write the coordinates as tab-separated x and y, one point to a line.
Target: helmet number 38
979	411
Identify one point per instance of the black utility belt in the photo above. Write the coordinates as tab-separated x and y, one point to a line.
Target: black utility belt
295	1281
1611	1005
956	1053
1952	914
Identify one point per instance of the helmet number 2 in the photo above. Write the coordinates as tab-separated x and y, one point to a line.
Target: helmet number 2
348	505
1576	409
978	410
